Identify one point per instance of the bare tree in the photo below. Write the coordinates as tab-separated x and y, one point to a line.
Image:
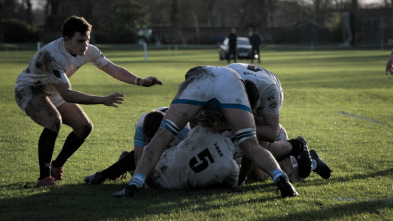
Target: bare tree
175	21
28	11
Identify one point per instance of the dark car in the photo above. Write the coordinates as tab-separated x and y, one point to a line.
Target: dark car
243	46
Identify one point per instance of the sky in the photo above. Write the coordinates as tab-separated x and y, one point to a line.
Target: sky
370	1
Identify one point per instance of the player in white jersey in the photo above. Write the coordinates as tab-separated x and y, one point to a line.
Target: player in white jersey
203	159
267	114
214	88
44	92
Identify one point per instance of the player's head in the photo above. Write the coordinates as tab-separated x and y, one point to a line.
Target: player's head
252	93
76	35
75	24
152	122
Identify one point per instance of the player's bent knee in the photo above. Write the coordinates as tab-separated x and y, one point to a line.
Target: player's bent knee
54	125
84	131
87	128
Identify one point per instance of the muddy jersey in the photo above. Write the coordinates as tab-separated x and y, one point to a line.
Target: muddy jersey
269	87
53	64
213	88
203	159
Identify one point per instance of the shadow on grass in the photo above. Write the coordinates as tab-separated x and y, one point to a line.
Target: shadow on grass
342	210
86	202
318	181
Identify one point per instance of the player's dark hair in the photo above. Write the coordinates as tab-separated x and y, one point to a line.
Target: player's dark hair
252	93
75	24
152	123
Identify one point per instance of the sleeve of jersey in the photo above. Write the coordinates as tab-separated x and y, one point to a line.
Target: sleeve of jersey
97	58
139	137
272	102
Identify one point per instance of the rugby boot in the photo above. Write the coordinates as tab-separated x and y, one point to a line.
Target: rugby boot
322	168
285	187
47	181
303	158
95	179
56	173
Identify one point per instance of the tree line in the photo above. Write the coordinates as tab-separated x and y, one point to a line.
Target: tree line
119	20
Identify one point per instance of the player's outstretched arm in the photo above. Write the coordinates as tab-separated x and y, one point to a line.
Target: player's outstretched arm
389	64
150	81
126	76
78	97
113	99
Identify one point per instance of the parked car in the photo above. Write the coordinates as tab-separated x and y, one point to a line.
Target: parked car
243	46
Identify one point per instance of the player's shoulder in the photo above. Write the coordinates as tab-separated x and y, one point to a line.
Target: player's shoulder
93	52
93	47
53	52
55	46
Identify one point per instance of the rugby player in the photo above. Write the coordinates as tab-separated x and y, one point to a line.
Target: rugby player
44	92
177	170
267	115
212	88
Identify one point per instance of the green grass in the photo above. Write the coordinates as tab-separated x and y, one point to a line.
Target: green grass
319	86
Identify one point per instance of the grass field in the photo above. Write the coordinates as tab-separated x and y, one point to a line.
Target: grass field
341	101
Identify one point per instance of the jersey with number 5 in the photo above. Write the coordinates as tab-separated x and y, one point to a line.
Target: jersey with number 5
203	159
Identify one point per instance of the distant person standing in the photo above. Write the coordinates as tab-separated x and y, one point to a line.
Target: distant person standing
389	64
255	41
232	38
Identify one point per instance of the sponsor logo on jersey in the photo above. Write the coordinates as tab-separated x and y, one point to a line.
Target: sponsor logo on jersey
273	105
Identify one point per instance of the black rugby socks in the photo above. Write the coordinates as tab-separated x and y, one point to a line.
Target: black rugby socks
71	144
46	144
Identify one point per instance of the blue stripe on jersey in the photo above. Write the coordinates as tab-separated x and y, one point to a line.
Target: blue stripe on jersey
170	127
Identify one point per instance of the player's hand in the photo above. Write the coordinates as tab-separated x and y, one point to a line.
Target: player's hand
113	99
128	191
150	81
389	65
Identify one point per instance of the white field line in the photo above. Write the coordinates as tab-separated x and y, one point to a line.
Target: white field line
360	117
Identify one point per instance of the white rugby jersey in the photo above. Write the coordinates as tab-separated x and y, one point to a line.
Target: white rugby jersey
53	64
203	159
269	87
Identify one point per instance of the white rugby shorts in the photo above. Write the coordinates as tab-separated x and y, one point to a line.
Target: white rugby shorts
214	88
24	95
